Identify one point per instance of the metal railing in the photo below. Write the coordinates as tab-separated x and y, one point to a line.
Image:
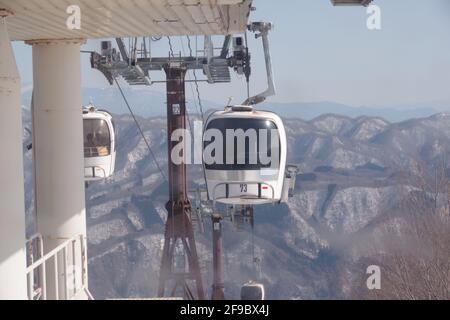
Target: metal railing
60	274
35	250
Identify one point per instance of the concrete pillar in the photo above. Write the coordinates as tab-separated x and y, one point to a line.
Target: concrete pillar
12	206
58	143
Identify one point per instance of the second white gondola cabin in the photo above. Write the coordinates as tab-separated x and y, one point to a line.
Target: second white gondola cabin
253	291
244	156
99	144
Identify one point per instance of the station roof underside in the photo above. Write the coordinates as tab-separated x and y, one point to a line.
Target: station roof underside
46	19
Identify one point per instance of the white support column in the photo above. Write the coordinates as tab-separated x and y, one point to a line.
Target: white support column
58	143
12	208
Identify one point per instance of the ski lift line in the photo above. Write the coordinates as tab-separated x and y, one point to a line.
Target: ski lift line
192	90
198	95
144	47
135	50
246	78
196	82
188	74
253	243
140	130
255	260
171	48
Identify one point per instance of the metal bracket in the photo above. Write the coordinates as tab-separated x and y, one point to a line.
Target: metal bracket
5	13
263	29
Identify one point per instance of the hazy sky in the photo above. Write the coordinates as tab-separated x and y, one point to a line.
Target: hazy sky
324	53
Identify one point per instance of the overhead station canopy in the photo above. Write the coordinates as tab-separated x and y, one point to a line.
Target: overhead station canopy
46	19
351	2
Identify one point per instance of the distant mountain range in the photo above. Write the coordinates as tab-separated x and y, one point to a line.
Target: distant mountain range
351	166
350	172
308	111
149	103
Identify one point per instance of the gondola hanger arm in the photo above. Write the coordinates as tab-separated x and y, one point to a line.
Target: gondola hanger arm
262	31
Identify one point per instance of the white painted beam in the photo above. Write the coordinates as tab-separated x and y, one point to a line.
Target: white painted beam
58	144
12	205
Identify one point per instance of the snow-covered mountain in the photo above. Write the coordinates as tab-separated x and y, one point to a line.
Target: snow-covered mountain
150	103
350	172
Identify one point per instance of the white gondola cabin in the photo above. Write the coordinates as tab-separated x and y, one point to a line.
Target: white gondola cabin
253	291
244	156
99	144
